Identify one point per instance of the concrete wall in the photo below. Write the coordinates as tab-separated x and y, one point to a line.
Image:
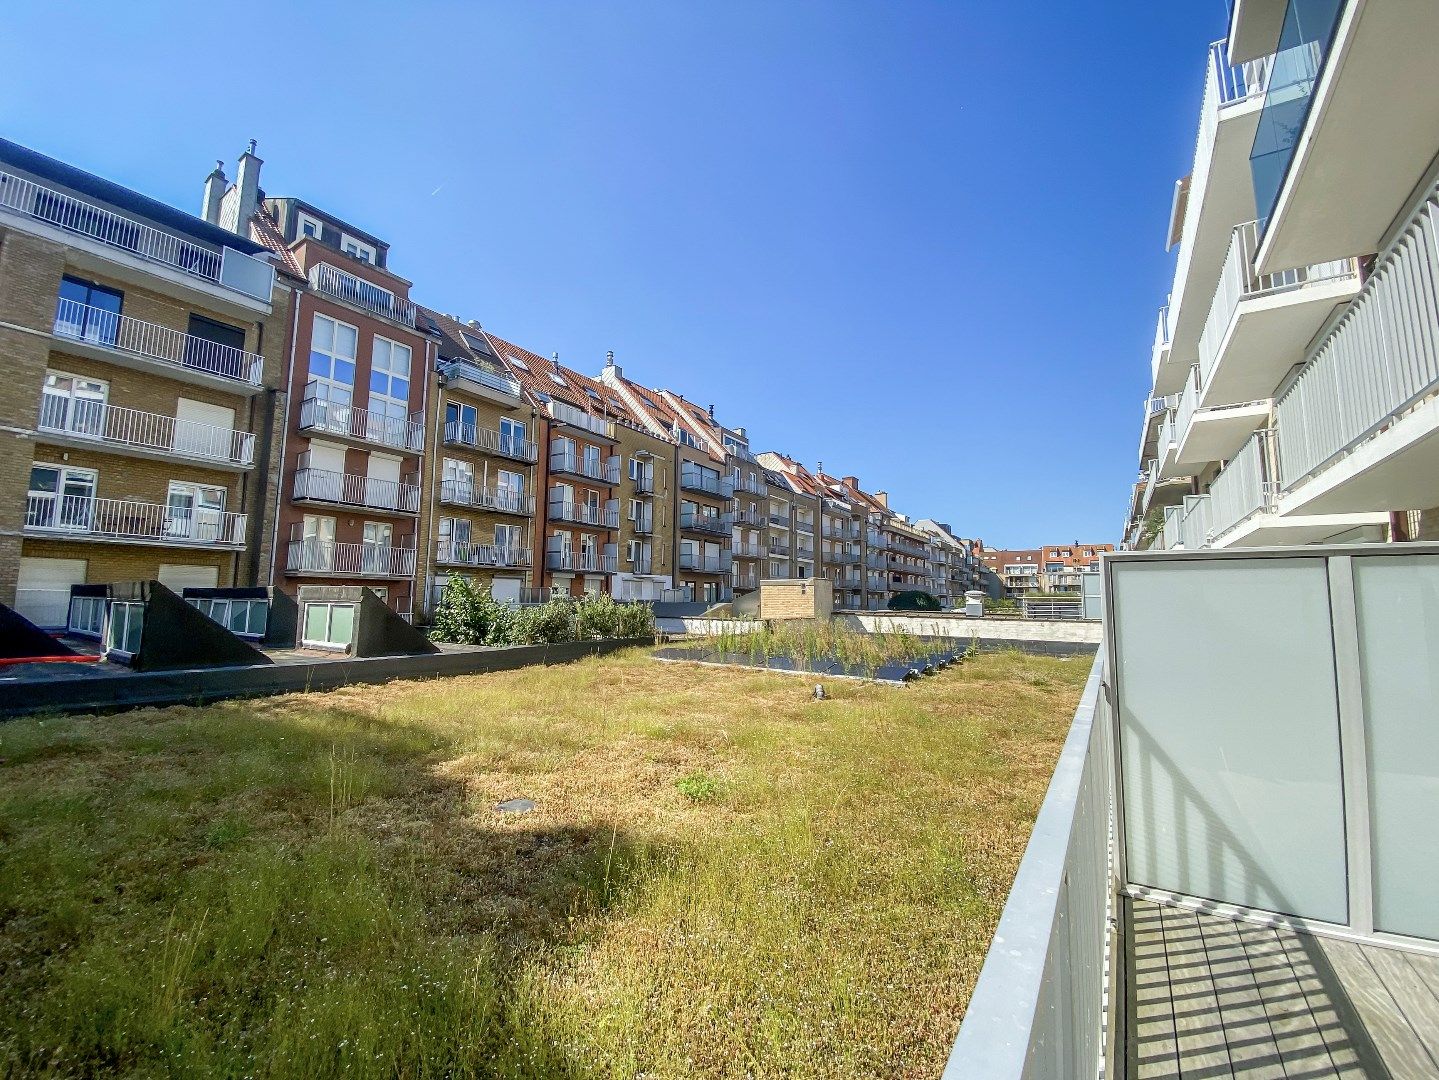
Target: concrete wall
928	625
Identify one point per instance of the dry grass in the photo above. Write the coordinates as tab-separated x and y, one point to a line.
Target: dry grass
721	878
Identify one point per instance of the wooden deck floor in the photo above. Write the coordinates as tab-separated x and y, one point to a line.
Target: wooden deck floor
1211	998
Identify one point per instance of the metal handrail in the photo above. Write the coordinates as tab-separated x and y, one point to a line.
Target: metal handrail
86	517
340	418
315	556
353	489
342	285
490	441
110	330
500	500
84	418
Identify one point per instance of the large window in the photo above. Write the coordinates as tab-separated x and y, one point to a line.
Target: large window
195	511
126	627
73	404
390	388
87	616
463	418
60	498
512	437
246	617
332	360
88	311
509	540
328	626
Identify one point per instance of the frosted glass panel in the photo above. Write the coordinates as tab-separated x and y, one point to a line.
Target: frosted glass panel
1398	602
1229	733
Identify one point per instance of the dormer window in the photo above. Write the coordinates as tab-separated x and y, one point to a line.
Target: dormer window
357	249
307	226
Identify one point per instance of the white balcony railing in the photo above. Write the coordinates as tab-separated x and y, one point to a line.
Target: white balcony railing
80	418
503	383
339	418
351	489
464	553
589	562
596	516
694	478
1380	360
246	274
84	518
1194	525
333	282
1238	282
1240	490
714	524
1188	402
500	500
107	330
570	461
490	441
575	417
321	557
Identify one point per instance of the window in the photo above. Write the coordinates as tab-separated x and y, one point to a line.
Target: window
375	543
455	539
88	311
457	481
591	459
634	511
72	404
513	359
509	490
589	552
87	615
306	225
554	378
509	543
633	549
126	627
60	498
512	437
318	543
637	468
245	617
593	396
460	422
193	511
357	249
328	626
390	389
332	363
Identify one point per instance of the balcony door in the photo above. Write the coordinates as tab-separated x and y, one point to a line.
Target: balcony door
510	543
194	512
512	437
458	481
332	372
72	404
60	498
510	490
382	483
215	346
375	544
318	542
88	312
455	539
592	461
390	391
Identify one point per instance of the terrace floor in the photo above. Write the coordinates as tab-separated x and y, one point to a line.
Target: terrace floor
1211	997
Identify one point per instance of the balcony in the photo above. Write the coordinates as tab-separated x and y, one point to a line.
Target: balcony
471	437
152	347
842	558
801	525
848	531
781	521
705	564
1194	523
709	524
481	382
751	486
747	580
779	546
332	418
643	523
570	462
1213	434
591	516
848	582
596	426
705	481
747	551
580	561
326	558
875	560
1218	197
341	285
1335	166
483	556
124	521
748	517
644	483
232	272
351	489
1260	324
498	500
83	423
1356	429
1233	879
804	554
1159	351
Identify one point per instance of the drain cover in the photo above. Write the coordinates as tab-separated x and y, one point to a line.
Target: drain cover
516	806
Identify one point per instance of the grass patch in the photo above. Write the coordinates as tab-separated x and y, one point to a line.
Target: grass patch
720	878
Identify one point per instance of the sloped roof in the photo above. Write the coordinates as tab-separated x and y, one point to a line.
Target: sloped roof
544	379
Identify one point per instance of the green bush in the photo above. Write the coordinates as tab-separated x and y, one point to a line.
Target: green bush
913	600
467	615
545	624
1000	606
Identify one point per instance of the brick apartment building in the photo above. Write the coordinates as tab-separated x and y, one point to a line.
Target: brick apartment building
1053	568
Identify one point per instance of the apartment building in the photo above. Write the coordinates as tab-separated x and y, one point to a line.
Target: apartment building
1019	571
478	503
357	383
142	349
1295	365
1065	564
956	562
704	523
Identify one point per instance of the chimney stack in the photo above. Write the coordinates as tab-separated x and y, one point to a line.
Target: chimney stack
882	497
712	412
852	481
555	360
215	185
247	183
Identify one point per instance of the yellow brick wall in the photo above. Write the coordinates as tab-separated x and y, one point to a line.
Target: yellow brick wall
809	599
127	562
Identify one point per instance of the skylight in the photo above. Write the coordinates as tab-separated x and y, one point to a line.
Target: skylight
558	381
512	358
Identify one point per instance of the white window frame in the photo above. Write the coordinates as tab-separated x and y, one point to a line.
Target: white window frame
302	219
363	251
83	412
329	388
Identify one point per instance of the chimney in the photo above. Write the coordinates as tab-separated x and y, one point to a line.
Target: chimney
215	185
555	360
612	371
818	467
473	324
852	481
712	412
882	497
742	433
247	181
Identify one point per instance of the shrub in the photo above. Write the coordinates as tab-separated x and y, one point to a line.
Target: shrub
545	624
1000	606
698	787
468	616
913	600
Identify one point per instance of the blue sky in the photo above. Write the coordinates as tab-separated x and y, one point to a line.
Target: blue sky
919	242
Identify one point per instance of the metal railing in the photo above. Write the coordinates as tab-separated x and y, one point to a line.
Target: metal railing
1162	332
83	517
89	419
1038	1009
352	489
570	461
705	564
747	551
779	546
1378	361
1188	402
643	523
490	441
1194	524
464	369
693	478
582	561
748	516
842	558
1173	519
749	486
644	483
339	418
748	580
576	417
711	524
342	285
500	500
106	329
1167	434
782	520
1238	282
314	556
1240	490
582	513
115	230
464	553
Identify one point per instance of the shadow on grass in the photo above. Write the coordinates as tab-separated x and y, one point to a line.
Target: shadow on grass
231	891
